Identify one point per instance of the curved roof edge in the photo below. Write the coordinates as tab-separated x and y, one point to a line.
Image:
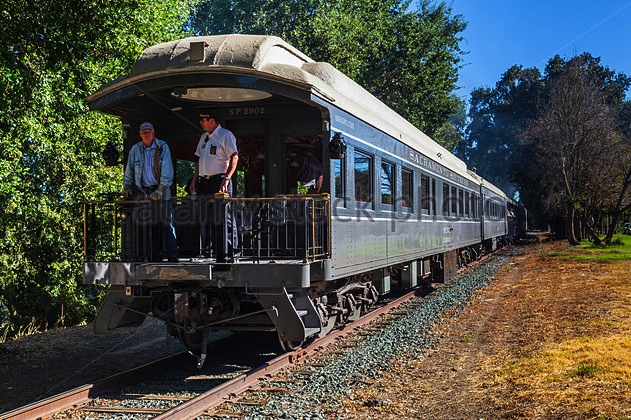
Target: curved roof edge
248	51
274	57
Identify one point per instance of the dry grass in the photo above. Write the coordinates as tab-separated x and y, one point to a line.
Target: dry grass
588	371
549	339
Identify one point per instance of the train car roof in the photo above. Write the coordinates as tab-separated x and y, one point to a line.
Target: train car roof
487	185
272	58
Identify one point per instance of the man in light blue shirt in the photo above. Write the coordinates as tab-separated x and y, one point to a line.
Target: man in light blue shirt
149	174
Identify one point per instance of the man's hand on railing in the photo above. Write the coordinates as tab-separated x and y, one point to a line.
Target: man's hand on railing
157	194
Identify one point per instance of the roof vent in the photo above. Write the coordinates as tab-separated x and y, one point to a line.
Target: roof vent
197	51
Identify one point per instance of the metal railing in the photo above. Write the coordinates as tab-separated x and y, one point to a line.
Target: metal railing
292	227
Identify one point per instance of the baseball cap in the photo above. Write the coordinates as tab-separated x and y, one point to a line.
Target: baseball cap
146	126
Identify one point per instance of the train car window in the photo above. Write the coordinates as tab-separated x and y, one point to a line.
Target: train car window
363	177
460	203
446	199
407	189
425	194
454	201
339	173
387	182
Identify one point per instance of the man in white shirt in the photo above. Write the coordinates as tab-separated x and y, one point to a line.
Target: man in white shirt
218	157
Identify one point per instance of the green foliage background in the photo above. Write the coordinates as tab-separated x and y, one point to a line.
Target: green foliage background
53	55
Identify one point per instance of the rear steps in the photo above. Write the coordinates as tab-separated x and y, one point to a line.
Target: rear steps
307	312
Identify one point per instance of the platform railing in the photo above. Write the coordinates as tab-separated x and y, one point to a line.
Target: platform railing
292	227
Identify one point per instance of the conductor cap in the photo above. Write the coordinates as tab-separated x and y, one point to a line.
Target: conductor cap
207	113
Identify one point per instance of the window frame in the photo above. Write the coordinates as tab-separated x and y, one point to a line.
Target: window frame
409	198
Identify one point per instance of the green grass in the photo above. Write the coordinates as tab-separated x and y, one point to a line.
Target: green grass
619	249
584	369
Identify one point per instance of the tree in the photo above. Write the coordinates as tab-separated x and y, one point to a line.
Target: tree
407	57
54	54
498	116
577	149
451	134
508	125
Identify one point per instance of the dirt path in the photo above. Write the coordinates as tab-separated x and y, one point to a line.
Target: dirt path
491	363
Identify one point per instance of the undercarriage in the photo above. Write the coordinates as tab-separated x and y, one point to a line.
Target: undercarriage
191	311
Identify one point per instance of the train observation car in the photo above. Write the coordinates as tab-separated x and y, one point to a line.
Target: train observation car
394	206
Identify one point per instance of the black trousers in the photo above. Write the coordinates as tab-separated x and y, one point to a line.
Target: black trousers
211	185
206	189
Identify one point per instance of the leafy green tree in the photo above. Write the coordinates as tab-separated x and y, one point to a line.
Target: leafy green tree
53	55
498	116
452	133
406	56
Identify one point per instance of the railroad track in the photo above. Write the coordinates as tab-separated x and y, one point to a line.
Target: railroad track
105	398
229	382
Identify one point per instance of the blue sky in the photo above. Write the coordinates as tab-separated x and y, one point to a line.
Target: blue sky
502	33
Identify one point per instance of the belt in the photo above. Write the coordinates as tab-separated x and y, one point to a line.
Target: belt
209	176
150	187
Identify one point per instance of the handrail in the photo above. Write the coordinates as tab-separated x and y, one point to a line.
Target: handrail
283	227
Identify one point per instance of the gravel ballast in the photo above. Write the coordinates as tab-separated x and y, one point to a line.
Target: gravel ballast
412	334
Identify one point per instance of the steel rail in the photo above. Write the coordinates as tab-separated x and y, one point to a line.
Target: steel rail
224	392
82	394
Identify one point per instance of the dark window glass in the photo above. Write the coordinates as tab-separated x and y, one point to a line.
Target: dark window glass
425	197
363	177
339	170
446	199
466	204
407	188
